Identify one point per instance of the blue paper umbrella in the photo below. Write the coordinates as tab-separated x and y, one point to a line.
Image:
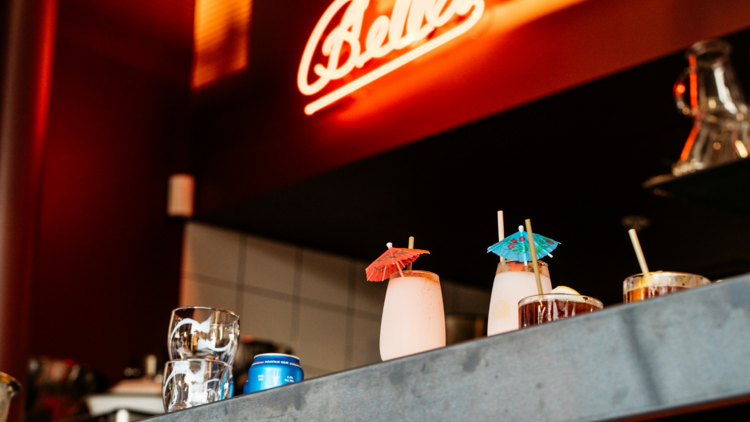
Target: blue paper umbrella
516	246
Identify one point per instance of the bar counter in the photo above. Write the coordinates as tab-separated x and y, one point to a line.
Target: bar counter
668	355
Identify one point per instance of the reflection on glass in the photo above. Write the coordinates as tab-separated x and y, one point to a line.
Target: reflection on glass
198	332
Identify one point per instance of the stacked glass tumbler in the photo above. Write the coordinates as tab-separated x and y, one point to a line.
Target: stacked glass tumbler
202	344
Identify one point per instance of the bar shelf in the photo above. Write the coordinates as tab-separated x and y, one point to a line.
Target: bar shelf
725	187
664	356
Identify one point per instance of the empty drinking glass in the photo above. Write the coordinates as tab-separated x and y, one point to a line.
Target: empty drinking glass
207	333
193	382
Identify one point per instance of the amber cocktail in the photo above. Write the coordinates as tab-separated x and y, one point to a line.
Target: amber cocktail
538	309
658	283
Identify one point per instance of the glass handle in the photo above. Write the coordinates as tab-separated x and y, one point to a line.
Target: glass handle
686	83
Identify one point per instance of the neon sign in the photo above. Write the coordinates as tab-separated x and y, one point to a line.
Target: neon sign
410	21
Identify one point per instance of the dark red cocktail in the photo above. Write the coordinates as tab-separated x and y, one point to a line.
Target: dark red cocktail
535	310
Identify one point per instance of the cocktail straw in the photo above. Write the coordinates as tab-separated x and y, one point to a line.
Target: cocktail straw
411	246
638	250
501	231
532	249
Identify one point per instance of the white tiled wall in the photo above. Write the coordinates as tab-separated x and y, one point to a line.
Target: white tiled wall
318	303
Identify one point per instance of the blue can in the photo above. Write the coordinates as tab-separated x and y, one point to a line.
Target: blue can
271	370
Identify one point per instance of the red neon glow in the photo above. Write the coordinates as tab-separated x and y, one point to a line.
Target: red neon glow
45	78
689	144
406	26
693	83
221	38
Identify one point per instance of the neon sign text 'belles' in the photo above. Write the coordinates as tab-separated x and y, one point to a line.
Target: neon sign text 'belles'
410	21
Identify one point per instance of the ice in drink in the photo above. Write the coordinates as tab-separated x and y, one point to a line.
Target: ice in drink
659	283
535	310
413	315
513	282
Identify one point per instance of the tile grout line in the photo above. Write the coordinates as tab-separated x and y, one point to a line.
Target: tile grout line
324	306
272	294
325	371
183	264
209	279
368	315
349	339
240	300
296	296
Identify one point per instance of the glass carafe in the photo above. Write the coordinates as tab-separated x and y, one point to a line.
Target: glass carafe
708	91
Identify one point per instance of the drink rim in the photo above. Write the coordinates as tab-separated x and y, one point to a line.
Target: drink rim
275	354
665	273
206	308
212	361
586	299
662	278
430	275
539	261
11	382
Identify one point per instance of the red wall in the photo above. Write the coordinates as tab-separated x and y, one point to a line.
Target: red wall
107	263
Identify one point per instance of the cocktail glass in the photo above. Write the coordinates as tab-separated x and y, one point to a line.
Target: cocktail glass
538	309
203	333
514	281
657	283
413	316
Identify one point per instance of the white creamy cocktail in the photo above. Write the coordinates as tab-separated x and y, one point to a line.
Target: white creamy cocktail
513	282
413	316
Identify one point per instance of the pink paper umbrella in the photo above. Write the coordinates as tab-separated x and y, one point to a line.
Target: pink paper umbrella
394	259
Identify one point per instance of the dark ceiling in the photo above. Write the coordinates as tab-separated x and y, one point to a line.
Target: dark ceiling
573	163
